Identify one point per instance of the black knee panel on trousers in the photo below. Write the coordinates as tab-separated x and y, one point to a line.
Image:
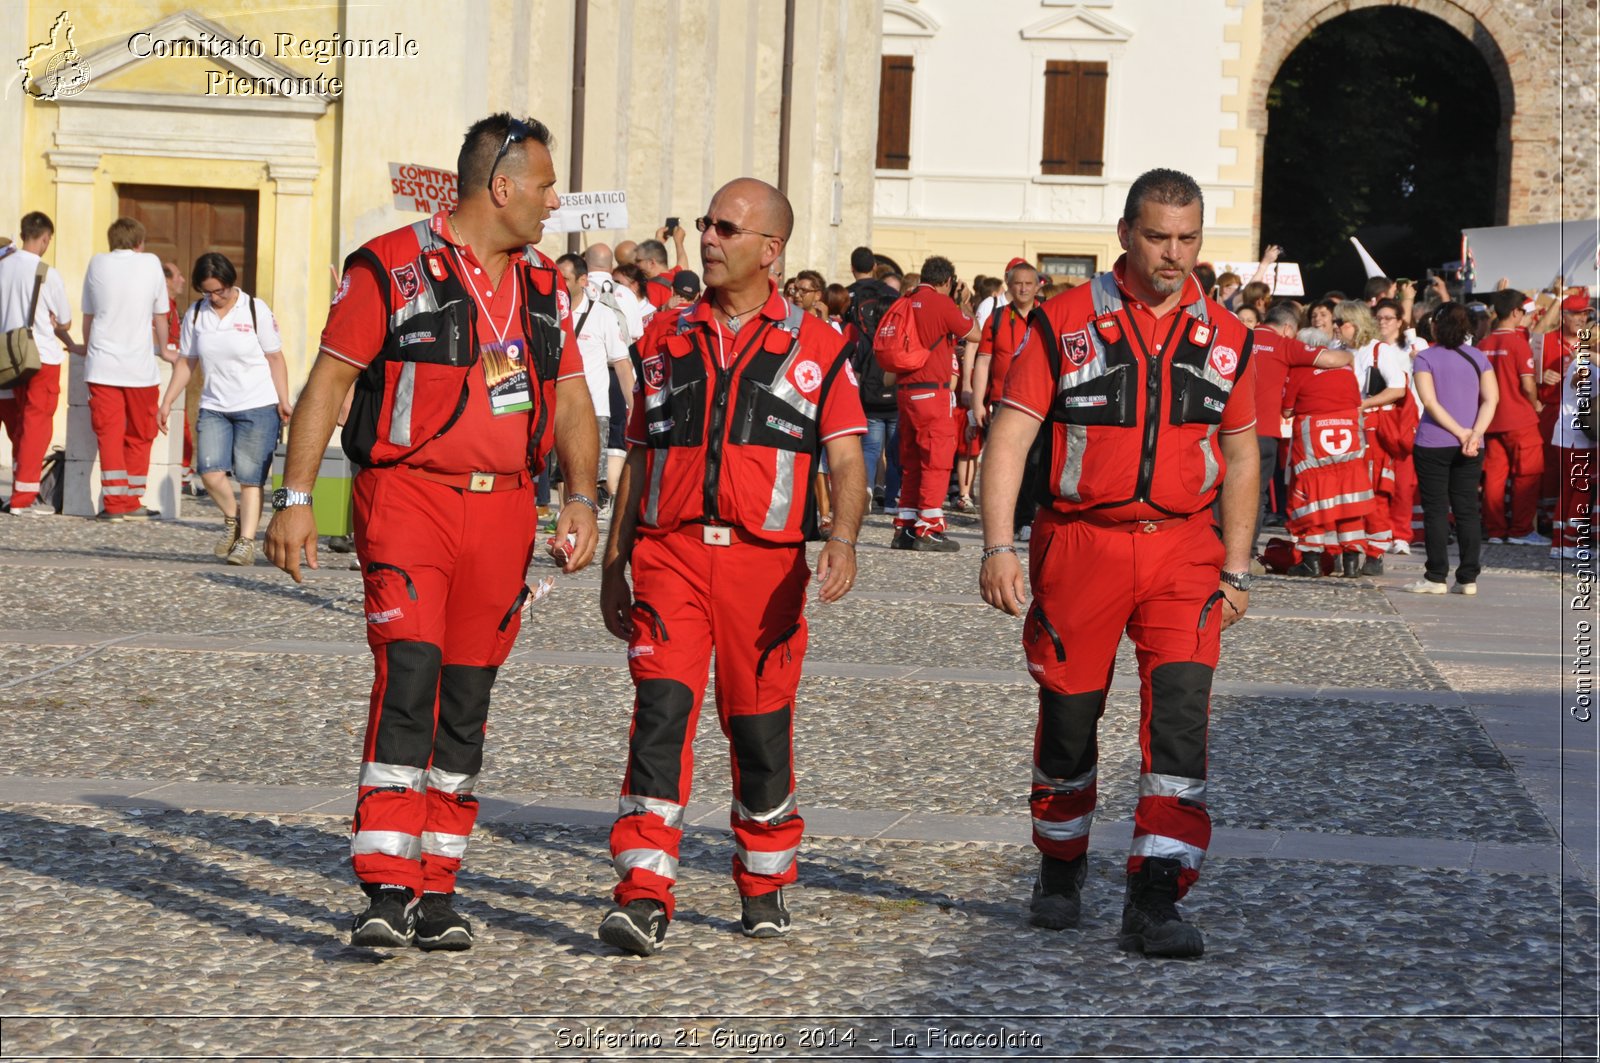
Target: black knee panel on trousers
1067	723
1180	694
463	708
660	727
761	749
405	721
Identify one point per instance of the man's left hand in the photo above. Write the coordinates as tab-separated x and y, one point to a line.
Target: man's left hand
1235	603
578	521
836	568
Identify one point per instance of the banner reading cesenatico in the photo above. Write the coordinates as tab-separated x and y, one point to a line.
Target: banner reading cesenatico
589	212
422	188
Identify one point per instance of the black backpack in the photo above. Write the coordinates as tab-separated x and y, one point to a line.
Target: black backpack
869	300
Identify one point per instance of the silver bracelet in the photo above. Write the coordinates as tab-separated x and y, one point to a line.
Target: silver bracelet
841	539
993	551
586	500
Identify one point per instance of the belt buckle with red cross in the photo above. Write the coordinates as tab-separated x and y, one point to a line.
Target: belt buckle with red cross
714	535
481	482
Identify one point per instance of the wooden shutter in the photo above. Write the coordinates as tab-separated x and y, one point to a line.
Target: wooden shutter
894	113
1074	118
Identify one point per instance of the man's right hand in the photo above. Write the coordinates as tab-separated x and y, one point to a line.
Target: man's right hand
290	531
616	601
980	413
1000	580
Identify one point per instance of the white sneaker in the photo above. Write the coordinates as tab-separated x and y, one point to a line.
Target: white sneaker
1399	546
1463	588
1563	553
1496	539
1533	538
1424	586
1024	533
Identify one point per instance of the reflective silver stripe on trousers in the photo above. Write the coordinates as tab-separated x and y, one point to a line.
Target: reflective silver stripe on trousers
652	498
450	782
404	394
388	842
136	481
1213	467
374	774
1159	845
453	846
1064	830
113	474
1155	785
765	863
670	813
783	490
1066	786
645	860
788	807
114	489
1072	463
1329	503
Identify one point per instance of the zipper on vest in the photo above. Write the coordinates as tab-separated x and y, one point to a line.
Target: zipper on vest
1152	404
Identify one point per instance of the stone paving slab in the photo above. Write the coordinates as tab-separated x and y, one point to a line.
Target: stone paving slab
227	915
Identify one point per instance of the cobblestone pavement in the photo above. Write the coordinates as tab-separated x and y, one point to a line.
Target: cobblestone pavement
1400	865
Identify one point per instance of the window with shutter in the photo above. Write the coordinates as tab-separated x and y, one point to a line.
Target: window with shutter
894	114
1074	118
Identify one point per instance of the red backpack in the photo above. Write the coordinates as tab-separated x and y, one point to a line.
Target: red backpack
898	345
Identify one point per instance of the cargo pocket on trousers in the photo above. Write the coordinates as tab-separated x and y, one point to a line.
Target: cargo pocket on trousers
778	669
510	624
390	598
1209	625
1047	654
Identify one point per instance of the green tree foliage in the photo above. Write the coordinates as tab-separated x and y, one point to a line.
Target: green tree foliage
1383	125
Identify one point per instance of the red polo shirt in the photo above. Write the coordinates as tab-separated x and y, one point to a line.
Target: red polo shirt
1273	357
1003	336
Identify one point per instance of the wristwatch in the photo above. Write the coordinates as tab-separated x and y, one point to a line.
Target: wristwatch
283	498
1239	581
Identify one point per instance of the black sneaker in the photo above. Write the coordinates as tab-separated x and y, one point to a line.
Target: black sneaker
1373	566
1056	893
765	915
388	920
639	928
1150	920
936	542
438	926
1310	564
903	539
1350	562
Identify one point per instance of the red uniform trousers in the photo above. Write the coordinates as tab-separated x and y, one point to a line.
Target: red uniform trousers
969	437
927	454
1089	583
1516	457
1379	526
747	602
124	422
1550	482
1574	523
31	425
443	571
1404	518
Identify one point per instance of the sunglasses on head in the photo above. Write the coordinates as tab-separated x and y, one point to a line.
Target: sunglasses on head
516	133
727	230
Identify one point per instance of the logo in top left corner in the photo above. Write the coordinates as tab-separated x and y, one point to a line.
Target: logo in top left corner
53	69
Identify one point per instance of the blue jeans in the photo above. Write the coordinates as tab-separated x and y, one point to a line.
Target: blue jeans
241	442
883	431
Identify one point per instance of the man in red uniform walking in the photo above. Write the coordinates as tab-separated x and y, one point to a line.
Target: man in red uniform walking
738	395
1141	384
926	397
456	334
1513	451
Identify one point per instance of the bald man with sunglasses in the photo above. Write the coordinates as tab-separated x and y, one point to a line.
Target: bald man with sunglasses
456	334
738	394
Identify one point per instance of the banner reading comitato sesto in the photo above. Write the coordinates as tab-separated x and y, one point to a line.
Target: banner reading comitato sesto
425	189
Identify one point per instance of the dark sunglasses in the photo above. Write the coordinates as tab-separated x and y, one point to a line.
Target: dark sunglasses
727	230
516	133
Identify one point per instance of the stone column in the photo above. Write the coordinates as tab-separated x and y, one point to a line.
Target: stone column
291	282
74	244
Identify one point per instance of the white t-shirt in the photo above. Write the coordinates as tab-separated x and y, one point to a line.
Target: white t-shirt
1394	366
124	290
233	354
989	305
601	343
16	290
598	281
1565	434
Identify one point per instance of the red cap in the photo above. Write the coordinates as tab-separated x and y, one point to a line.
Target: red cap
1577	302
1014	263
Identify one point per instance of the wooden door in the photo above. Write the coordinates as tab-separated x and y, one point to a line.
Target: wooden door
181	224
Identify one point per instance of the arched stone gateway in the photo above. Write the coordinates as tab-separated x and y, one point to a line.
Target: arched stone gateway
1540	53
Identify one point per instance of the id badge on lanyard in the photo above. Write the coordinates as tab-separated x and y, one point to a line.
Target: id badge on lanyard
505	362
